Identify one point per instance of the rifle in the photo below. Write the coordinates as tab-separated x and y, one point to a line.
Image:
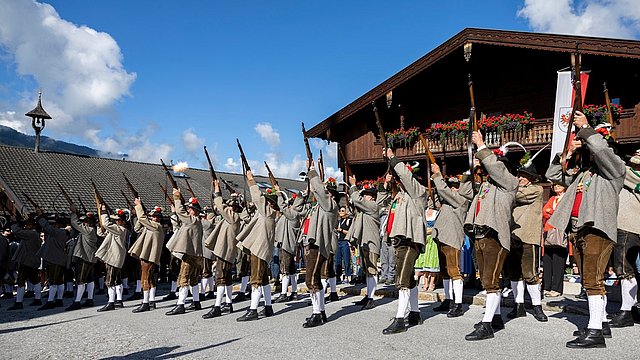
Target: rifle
166	195
65	194
84	209
321	166
213	174
243	158
430	160
99	202
134	192
173	182
30	200
381	133
473	126
347	171
609	113
272	178
577	106
126	199
228	186
193	194
306	146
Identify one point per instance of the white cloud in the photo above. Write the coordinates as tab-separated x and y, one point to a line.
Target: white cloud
191	141
605	18
8	118
268	134
231	165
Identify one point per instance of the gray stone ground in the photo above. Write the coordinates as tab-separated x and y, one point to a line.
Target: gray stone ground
120	334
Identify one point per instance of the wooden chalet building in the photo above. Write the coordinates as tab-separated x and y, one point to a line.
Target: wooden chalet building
513	73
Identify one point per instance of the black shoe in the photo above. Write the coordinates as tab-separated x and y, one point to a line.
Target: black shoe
293	297
29	294
281	299
152	304
100	292
210	295
87	303
445	305
333	297
142	308
240	297
611	316
250	315
277	287
135	296
582	295
36	302
606	331
177	310
481	332
414	318
226	308
268	311
214	312
368	305
15	306
538	314
397	326
194	306
362	301
119	304
591	338
623	319
313	321
108	307
497	323
74	306
455	311
170	296
59	303
67	294
518	311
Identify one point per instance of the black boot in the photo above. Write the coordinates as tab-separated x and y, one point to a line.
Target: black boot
445	305
518	311
313	321
362	301
177	310
240	297
591	338
333	297
210	295
582	295
414	318
323	315
606	331
195	305
58	303
214	312
250	315
538	314
397	326
74	306
623	319
15	306
227	308
87	303
67	294
142	308
268	311
281	299
481	332
48	305
108	307
152	304
135	296
368	305
119	304
293	297
170	296
455	311
36	302
29	294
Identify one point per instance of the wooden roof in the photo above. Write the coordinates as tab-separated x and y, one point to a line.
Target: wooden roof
526	40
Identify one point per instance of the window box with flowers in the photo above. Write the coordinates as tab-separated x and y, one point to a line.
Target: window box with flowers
597	114
402	138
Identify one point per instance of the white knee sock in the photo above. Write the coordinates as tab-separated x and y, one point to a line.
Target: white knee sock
80	292
211	282
457	290
413	299
195	292
321	300
604	309
517	287
403	302
629	293
499	308
125	283
228	292
69	286
145	297
174	286
29	286
332	284
182	295
446	283
90	288
219	295
294	283
596	311
493	302
112	294
534	292
324	284
138	286
37	290
315	302
371	286
152	294
243	283
203	285
266	289
119	292
60	291
101	282
256	293
285	285
20	295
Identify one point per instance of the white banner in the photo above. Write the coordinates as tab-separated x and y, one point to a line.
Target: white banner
564	97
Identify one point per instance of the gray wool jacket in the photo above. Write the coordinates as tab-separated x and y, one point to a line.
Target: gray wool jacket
629	203
365	229
29	244
258	235
323	218
288	224
208	224
222	240
448	228
188	238
55	242
527	214
496	197
148	245
87	242
113	249
602	185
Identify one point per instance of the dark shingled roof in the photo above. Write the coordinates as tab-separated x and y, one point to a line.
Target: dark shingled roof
38	111
36	174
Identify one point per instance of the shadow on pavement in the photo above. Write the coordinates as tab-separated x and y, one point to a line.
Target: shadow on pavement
165	352
6	331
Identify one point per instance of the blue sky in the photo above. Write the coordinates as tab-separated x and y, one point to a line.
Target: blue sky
162	78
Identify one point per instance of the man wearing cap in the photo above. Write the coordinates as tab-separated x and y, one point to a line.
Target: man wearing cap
147	248
112	252
589	209
187	244
286	230
489	221
449	235
523	262
628	244
222	242
84	253
54	256
365	233
27	261
257	238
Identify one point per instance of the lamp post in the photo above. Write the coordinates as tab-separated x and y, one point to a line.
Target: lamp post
38	117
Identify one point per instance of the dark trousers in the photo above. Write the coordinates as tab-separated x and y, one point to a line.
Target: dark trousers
406	255
491	257
592	252
522	262
553	264
259	272
626	253
147	275
449	258
343	259
314	262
